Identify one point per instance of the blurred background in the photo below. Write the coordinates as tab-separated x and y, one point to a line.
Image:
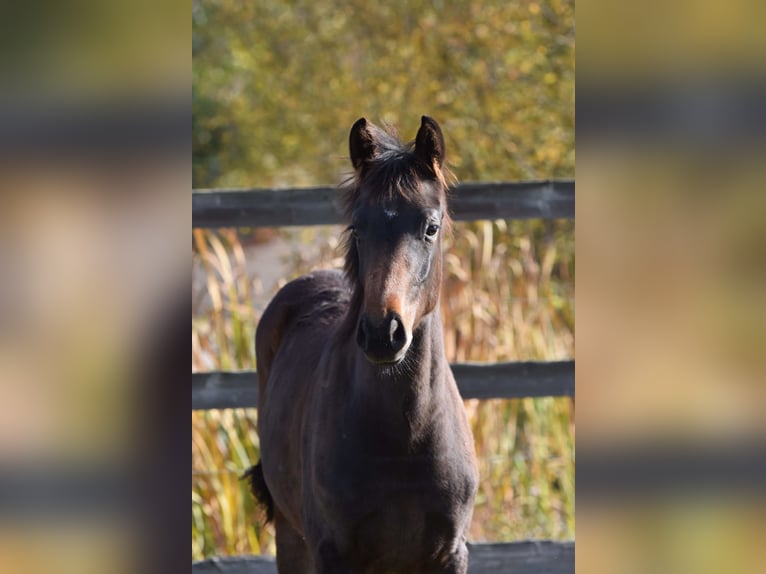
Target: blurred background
276	88
671	245
94	211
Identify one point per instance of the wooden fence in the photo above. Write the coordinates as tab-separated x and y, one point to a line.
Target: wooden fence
468	201
528	557
319	205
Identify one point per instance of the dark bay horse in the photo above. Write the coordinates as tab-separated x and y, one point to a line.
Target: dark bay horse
367	460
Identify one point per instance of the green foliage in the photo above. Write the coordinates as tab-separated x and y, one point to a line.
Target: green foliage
278	84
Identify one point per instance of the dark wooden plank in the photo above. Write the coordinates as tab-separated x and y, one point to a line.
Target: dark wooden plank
224	390
235	565
219	390
265	207
527	557
550	199
515	380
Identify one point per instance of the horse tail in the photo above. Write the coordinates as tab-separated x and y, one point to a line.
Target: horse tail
254	476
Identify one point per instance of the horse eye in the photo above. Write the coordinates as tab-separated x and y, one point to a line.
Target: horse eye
431	230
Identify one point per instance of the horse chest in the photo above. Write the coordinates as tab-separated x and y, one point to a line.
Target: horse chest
401	537
390	495
364	471
387	518
411	498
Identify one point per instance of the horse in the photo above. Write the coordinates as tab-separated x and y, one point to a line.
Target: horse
367	458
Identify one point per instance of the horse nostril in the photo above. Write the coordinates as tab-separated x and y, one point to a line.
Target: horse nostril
392	328
361	334
396	332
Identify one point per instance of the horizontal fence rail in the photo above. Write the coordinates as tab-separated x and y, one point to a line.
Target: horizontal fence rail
528	557
221	390
549	199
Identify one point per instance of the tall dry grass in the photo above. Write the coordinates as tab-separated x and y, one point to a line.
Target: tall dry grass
508	295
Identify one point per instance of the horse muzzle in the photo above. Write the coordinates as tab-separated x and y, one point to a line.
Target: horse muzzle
383	342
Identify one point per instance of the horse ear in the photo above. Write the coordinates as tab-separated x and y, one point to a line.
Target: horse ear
429	144
361	143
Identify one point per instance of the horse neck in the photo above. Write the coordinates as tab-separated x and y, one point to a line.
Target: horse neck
409	391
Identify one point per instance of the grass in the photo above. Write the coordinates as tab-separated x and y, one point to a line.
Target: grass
507	295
